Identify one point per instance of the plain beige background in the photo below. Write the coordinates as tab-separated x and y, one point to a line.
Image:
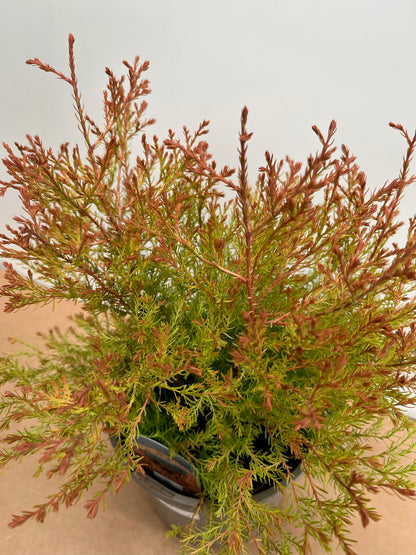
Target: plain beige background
129	525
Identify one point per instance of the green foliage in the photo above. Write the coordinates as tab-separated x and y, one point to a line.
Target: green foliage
285	313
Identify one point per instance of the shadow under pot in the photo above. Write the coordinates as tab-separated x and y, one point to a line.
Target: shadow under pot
173	485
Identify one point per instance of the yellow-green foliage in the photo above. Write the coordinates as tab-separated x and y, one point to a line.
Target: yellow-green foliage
282	310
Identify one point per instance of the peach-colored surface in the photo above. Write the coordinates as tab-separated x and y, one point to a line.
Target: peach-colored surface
129	525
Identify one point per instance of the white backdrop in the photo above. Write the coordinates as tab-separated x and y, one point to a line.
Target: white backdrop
294	63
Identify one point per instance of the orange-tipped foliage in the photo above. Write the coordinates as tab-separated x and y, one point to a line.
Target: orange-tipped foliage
241	324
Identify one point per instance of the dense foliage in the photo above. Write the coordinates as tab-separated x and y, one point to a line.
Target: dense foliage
282	311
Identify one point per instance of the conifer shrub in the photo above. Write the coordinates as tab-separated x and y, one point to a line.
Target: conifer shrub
214	314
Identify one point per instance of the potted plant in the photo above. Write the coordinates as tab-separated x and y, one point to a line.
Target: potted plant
245	328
